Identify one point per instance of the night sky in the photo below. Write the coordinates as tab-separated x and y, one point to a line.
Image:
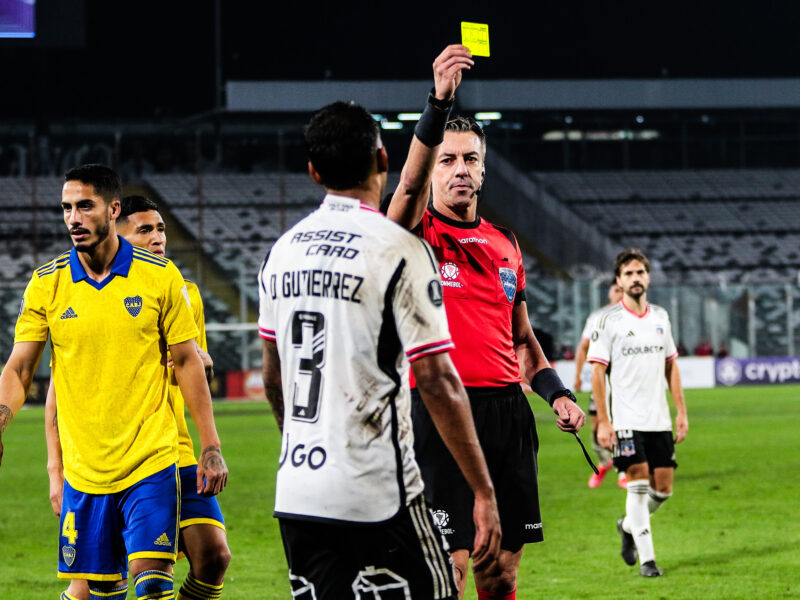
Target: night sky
147	58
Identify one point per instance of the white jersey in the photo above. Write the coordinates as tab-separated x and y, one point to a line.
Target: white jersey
635	349
350	298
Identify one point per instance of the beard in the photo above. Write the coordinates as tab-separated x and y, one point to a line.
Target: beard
636	293
100	234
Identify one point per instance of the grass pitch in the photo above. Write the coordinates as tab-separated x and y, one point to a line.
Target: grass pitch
731	530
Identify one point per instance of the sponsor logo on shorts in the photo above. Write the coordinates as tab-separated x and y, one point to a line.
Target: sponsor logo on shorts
441	519
133	305
534	526
163	540
68	552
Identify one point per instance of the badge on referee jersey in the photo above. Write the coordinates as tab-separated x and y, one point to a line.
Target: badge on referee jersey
508	278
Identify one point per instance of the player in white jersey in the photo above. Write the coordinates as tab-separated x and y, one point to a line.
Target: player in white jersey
347	300
632	342
604	462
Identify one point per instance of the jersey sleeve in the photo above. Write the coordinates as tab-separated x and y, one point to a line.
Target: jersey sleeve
520	296
196	302
418	305
599	344
177	322
266	315
32	321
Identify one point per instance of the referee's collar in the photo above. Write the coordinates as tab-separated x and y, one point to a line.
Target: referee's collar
121	266
452	222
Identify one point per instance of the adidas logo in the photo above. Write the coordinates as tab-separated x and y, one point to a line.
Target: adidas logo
630	334
163	540
69	314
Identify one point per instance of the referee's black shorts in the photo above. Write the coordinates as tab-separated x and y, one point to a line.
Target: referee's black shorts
397	559
507	433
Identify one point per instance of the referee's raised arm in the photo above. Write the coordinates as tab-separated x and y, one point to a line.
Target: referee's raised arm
411	196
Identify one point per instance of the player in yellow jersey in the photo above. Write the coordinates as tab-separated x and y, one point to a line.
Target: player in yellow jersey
202	530
111	311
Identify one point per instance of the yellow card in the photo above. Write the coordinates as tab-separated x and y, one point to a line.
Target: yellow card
475	36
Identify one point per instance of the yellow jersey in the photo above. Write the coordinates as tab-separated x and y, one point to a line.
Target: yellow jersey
185	447
109	354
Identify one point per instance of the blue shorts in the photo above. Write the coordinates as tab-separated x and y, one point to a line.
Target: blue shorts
197	509
100	532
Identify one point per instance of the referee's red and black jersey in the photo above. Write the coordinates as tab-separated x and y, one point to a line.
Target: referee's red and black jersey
483	278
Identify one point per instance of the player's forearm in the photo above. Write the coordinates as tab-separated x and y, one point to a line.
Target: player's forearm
599	392
448	406
52	437
15	381
580	356
271	375
191	378
675	387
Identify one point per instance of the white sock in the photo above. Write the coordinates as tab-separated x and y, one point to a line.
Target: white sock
655	499
637	519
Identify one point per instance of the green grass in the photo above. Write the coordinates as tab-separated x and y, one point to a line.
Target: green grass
730	531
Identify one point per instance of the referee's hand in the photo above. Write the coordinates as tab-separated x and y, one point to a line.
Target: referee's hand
570	416
487	531
212	472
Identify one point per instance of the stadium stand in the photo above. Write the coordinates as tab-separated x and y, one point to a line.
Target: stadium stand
700	225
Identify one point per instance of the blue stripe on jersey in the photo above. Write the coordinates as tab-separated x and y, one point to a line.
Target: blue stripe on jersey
147	259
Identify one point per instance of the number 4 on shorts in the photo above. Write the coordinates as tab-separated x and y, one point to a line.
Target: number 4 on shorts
68	528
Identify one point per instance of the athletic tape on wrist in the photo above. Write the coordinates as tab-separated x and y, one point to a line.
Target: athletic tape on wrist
549	386
430	127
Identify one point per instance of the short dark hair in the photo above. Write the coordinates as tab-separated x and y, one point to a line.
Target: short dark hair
626	256
467	125
105	180
134	204
341	140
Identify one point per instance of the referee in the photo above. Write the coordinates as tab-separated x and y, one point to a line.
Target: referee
484	294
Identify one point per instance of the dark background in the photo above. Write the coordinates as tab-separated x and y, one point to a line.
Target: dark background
101	58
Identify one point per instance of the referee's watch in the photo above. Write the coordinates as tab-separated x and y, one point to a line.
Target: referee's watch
559	394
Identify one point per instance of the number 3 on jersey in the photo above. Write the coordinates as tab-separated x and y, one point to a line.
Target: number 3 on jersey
68	528
308	334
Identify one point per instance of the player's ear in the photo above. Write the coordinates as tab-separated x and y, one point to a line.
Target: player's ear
116	209
383	160
314	175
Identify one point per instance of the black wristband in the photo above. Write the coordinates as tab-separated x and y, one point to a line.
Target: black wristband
430	127
549	386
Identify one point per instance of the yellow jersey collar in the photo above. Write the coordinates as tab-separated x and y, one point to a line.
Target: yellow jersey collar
121	266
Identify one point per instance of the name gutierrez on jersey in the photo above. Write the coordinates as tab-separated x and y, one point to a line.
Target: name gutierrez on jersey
318	283
326	235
